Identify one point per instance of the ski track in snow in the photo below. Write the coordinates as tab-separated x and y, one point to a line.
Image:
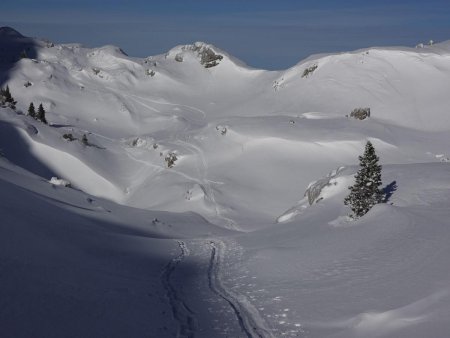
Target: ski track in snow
202	168
169	104
206	184
248	317
183	315
250	321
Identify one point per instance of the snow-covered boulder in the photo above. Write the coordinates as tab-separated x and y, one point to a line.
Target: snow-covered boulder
59	181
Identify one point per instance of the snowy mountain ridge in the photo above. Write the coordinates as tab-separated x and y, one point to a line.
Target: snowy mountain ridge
188	173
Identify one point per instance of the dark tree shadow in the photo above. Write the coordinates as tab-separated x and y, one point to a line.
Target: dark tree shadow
389	191
58	125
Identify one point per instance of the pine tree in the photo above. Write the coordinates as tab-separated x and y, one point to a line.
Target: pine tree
31	110
84	140
8	96
40	116
365	193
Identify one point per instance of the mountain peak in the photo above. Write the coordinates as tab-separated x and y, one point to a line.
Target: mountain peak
207	54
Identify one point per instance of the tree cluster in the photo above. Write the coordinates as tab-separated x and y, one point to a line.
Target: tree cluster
38	115
6	99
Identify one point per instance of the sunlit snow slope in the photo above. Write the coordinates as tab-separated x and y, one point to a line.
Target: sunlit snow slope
224	122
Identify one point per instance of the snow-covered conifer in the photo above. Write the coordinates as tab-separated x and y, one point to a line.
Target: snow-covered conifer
365	193
40	116
84	140
32	110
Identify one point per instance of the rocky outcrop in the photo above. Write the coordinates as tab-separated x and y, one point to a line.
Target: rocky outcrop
315	188
208	57
360	113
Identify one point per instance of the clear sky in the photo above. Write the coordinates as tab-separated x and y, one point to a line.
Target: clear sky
271	34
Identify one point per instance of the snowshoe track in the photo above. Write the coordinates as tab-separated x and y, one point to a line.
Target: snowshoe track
184	316
250	321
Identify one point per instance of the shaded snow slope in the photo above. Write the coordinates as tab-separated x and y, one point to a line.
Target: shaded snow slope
73	263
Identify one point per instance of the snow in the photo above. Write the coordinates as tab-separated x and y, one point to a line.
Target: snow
223	243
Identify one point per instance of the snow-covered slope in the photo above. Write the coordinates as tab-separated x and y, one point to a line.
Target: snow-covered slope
137	109
246	144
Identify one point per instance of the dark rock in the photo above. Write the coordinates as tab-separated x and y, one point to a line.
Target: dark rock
360	113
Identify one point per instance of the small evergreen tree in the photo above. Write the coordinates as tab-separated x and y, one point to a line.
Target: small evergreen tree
32	110
40	116
84	140
8	96
365	193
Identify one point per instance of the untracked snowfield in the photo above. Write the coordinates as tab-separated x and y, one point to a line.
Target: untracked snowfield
184	213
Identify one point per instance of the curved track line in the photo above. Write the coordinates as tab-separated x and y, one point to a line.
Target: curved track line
203	173
185	317
169	104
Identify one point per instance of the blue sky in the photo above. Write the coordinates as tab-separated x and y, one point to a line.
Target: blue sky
271	34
